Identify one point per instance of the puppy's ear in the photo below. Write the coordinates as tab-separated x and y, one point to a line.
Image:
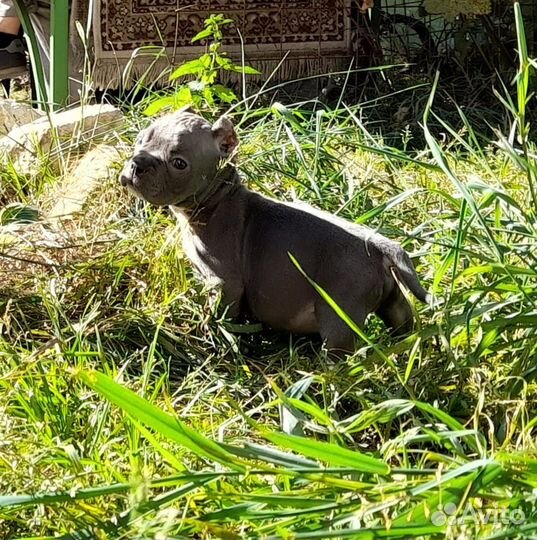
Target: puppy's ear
225	136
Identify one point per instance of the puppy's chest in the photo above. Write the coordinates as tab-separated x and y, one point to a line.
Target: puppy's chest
200	256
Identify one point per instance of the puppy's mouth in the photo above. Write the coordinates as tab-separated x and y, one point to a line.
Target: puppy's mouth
130	181
138	185
144	187
133	183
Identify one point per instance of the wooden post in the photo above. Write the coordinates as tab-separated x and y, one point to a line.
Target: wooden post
59	52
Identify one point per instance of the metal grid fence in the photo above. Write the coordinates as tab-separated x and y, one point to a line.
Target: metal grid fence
402	31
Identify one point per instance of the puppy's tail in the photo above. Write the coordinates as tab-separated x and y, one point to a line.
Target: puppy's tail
406	272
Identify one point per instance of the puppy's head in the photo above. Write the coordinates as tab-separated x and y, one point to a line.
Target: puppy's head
176	158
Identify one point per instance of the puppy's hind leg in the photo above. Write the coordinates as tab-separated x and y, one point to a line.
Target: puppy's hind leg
396	313
337	334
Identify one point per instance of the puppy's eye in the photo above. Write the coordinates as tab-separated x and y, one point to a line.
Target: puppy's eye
179	163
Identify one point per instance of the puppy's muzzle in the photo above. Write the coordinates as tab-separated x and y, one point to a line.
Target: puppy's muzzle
142	165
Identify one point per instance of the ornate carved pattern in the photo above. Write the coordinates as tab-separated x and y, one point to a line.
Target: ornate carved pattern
278	25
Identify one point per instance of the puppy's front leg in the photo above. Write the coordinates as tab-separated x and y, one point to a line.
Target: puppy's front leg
232	294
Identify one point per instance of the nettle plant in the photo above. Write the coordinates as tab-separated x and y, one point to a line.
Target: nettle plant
203	90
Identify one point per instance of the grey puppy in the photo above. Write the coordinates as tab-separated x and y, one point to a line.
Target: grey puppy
244	239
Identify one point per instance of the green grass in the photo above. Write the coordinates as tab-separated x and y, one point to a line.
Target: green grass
131	408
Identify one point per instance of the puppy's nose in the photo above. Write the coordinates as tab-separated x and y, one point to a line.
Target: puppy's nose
143	163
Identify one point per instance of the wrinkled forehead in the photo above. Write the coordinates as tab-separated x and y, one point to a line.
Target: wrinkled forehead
182	131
